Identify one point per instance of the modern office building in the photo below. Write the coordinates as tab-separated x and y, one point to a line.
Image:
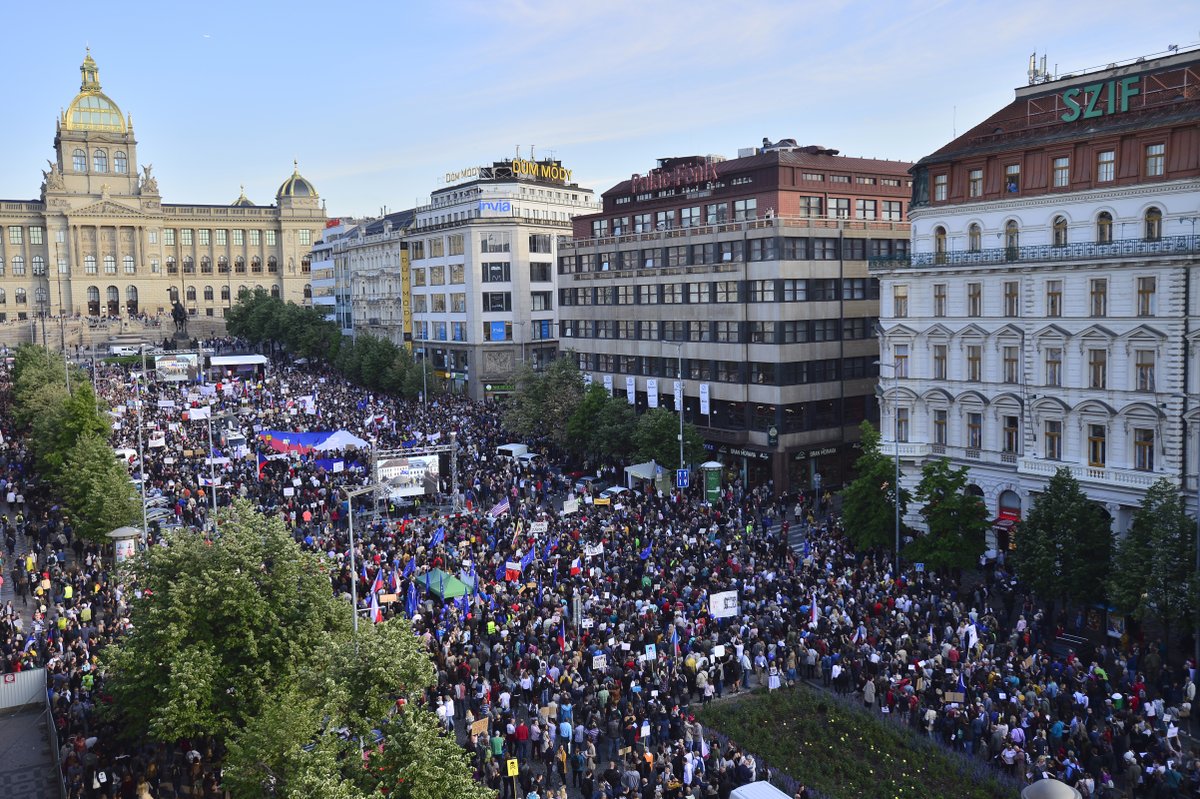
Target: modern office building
483	282
749	278
1048	314
99	240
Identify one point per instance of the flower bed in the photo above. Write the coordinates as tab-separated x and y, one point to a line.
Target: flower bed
844	752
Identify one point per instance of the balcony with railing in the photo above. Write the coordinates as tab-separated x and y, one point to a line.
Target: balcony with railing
1041	253
1123	478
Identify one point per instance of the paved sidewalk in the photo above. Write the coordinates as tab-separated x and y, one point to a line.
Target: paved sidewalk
27	765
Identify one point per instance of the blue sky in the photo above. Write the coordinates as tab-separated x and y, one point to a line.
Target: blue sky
376	100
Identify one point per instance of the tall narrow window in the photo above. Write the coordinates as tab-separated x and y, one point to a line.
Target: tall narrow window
1106	163
1012	240
939	361
1097	445
900	354
79	161
939	427
1156	160
1054	298
120	162
1060	231
1054	356
1145	370
939	299
975	430
1053	439
939	244
1012	434
1097	368
975	183
99	161
1147	304
1062	172
1104	228
902	425
900	301
974	362
1012	369
1099	297
1143	449
940	182
975	299
1153	224
1012	299
974	238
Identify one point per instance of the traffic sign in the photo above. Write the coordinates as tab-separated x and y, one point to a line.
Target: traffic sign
681	478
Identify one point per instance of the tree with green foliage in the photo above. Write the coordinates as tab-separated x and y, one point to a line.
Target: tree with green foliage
581	427
1064	546
543	402
1153	575
656	438
869	502
240	637
956	520
96	489
612	435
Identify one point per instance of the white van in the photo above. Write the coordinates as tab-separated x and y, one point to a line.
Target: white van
122	350
513	451
758	790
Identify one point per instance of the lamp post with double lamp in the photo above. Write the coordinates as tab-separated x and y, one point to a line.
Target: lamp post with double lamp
896	444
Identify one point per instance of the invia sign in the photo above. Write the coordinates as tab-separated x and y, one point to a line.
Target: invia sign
491	208
1085	101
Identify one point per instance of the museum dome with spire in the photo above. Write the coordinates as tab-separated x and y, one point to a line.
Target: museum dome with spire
296	186
92	109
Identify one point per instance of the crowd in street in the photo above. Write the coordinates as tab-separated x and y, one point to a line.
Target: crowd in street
589	635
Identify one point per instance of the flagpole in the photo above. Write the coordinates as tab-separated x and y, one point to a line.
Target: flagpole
212	469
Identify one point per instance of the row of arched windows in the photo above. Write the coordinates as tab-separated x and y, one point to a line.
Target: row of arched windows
21	297
120	161
209	294
1151	231
239	265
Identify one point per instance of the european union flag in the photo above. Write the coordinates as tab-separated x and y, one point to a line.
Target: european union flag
438	537
526	559
410	567
645	553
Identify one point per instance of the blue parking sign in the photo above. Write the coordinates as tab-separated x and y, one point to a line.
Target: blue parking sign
681	478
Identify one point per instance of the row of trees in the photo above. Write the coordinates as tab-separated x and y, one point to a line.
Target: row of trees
241	638
366	360
55	409
588	423
1064	547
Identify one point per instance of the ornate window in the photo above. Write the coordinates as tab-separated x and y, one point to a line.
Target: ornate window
307	291
18	265
1153	224
110	264
39	266
99	161
208	293
1104	228
120	162
191	294
939	243
974	238
225	293
79	161
1060	231
239	265
128	265
272	264
1012	239
89	264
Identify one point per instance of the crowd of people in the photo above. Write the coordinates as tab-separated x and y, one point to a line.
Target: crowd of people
589	634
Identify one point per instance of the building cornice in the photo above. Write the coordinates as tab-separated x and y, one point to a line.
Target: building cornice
1094	197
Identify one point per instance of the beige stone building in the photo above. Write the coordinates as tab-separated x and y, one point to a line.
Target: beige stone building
101	242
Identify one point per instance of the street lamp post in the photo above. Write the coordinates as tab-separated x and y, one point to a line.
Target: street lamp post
896	444
350	496
141	456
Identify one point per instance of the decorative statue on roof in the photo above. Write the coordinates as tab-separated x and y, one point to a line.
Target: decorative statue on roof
53	178
149	182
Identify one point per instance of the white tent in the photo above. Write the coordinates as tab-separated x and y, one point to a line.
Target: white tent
341	440
641	471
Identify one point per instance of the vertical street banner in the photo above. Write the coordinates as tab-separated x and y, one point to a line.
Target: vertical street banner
608	384
652	392
704	406
678	394
631	390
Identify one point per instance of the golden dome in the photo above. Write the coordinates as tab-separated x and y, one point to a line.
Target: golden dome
296	186
92	109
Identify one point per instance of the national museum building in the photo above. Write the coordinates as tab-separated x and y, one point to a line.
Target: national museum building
99	241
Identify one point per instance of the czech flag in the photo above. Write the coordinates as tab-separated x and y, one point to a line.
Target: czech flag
562	636
376	613
576	567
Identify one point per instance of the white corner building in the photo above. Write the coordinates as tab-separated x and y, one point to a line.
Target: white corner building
1049	313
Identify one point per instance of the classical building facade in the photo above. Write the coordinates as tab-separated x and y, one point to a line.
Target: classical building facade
748	278
1048	315
100	241
483	282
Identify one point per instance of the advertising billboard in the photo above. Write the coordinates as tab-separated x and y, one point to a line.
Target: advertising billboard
177	368
408	476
